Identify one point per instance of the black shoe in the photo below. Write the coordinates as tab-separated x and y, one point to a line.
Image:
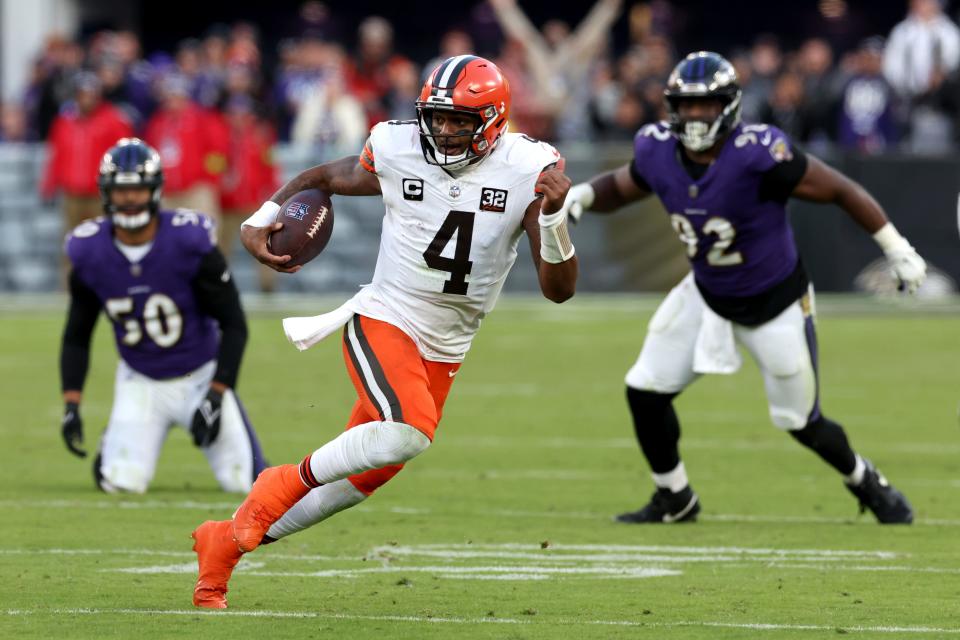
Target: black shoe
666	506
875	493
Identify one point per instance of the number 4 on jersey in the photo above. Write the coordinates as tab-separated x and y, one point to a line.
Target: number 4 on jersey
460	265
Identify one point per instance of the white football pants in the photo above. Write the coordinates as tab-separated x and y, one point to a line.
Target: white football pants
144	411
784	348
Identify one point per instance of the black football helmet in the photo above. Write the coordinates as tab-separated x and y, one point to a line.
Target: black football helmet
130	163
703	74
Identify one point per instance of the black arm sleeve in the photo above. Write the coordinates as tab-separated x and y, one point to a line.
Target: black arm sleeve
779	182
75	348
217	296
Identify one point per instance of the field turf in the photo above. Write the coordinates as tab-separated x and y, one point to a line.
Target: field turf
503	528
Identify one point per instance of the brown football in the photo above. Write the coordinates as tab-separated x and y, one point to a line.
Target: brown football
307	219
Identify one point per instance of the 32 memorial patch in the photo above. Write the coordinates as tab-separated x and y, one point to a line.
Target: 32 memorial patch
493	200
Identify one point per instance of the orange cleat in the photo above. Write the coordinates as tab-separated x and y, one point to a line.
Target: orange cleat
217	555
275	491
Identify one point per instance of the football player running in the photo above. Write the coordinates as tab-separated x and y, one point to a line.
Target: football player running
178	323
459	191
726	185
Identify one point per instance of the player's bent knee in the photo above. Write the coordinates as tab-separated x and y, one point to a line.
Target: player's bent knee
119	477
234	483
787	419
394	443
640	378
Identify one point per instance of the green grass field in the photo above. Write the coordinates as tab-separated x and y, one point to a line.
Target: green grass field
503	528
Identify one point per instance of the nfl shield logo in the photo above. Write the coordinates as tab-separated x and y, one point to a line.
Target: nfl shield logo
297	210
454	191
693	191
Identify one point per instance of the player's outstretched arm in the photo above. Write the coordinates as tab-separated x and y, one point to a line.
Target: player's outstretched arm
546	225
346	176
75	360
822	183
604	193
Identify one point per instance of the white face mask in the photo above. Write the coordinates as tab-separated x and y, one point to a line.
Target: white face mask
698	136
131	222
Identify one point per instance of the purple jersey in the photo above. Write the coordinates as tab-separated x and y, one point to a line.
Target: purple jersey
738	243
159	328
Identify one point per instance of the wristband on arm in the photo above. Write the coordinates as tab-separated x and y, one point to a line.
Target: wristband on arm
555	243
265	216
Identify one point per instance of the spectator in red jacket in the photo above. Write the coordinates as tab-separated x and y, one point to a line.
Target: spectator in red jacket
251	176
79	136
368	73
192	143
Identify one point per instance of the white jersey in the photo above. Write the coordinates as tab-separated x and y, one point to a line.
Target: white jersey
448	242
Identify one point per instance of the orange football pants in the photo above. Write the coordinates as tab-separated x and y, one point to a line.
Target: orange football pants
393	382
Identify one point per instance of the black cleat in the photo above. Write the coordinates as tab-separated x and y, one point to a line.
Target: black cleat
666	506
882	498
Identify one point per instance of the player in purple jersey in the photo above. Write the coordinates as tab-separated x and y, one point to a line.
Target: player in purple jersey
179	328
725	185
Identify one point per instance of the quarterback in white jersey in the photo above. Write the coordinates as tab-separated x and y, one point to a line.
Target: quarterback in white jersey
458	192
449	239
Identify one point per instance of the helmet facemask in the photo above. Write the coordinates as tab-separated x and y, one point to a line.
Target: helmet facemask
474	149
132	217
700	135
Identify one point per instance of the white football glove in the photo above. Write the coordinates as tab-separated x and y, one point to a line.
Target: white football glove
579	198
905	263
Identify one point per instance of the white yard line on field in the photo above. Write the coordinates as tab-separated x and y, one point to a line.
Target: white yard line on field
485	572
524	561
542	621
228	507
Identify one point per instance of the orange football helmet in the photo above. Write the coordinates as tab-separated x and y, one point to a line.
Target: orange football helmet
470	85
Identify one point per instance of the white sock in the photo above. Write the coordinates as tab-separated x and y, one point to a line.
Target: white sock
856	476
371	445
317	506
675	480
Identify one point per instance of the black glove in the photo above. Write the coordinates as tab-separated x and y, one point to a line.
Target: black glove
71	428
206	421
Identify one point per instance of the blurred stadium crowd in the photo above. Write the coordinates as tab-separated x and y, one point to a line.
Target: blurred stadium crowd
894	91
217	105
